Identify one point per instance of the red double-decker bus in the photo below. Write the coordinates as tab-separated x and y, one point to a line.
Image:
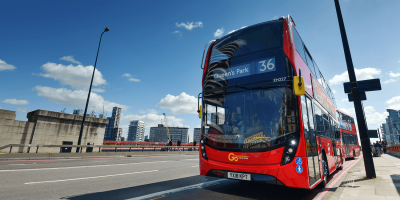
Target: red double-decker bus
350	148
270	116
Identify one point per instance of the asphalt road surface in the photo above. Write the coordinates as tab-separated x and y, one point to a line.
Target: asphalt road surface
150	177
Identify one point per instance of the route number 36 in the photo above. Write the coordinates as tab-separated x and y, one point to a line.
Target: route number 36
270	65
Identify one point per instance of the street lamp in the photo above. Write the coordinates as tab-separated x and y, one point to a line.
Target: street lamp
90	89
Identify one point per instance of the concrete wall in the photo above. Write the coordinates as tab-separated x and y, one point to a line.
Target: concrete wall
49	128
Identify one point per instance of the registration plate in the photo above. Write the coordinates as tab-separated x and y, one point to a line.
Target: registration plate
239	176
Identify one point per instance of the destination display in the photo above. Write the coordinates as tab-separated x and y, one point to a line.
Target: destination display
322	98
257	67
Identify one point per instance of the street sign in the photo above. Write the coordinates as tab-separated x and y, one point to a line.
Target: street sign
361	95
373	134
364	86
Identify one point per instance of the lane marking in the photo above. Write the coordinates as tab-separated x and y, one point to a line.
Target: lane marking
330	185
87	166
195	166
138	156
75	179
157	194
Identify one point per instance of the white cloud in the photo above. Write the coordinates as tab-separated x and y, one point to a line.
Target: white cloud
75	76
152	120
97	90
152	111
182	104
134	80
345	99
178	32
219	32
190	25
361	74
374	118
22	110
127	75
334	91
394	75
76	98
70	59
15	101
5	66
394	103
389	81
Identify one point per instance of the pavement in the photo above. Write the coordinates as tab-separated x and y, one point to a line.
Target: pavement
354	185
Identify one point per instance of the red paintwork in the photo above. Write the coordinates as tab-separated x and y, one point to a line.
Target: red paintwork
269	162
352	147
206	61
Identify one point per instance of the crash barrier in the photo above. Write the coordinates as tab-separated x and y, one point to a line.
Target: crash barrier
393	150
115	148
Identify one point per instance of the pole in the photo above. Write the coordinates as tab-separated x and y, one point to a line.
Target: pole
90	89
362	124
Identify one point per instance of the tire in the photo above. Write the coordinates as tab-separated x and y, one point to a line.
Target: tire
341	161
325	173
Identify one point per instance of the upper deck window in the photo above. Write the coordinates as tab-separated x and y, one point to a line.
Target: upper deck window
253	39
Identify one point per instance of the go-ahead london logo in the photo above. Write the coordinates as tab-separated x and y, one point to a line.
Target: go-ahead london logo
233	157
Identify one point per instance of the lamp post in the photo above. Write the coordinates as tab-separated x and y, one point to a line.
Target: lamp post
90	89
357	97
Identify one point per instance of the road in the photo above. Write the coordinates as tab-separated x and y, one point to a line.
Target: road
150	177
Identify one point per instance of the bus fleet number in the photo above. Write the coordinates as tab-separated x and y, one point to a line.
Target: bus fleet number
279	79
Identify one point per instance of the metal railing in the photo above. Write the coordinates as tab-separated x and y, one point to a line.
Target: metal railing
115	147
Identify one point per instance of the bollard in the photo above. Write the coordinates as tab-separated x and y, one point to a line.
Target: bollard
10	148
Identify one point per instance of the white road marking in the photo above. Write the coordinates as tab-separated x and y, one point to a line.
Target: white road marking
89	166
195	166
75	179
179	189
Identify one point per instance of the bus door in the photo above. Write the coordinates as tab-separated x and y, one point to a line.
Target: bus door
310	139
346	143
334	136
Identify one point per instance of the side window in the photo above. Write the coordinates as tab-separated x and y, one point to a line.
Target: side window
298	43
319	121
310	62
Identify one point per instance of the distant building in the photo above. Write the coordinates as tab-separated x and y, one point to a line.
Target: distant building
197	133
217	119
391	129
136	131
146	138
112	131
159	134
78	112
119	133
123	139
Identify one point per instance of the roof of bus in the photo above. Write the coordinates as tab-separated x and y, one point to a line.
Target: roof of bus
247	27
344	113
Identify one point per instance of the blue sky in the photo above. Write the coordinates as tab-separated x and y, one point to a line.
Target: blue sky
149	61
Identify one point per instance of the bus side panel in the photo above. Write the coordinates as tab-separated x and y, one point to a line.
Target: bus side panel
291	177
287	47
203	164
305	72
326	144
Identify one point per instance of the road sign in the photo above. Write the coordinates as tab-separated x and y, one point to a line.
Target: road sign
361	95
373	133
364	86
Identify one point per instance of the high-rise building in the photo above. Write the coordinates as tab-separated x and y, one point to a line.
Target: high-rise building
136	131
217	119
197	133
112	131
159	134
78	112
391	129
146	138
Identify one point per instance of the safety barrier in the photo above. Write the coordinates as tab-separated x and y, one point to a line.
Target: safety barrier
115	148
393	150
